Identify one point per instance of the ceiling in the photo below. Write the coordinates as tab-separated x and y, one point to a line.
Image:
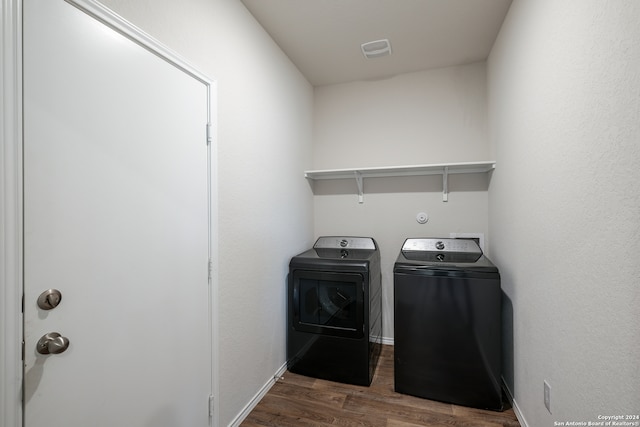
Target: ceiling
323	37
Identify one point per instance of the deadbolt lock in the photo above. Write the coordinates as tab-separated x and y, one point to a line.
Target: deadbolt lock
49	299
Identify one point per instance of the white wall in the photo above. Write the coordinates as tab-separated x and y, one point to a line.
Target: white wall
265	205
564	108
434	116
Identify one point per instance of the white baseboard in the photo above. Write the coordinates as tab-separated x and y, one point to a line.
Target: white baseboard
519	416
259	395
514	405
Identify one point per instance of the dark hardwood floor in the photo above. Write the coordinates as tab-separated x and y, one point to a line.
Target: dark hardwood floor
299	401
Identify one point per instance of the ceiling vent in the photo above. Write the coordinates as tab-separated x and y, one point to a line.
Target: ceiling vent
376	49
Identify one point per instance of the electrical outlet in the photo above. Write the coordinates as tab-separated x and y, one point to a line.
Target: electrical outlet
547	395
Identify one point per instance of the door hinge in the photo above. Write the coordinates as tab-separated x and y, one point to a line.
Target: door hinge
210	267
209	133
211	405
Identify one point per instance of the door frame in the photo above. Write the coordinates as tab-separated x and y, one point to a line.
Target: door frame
11	197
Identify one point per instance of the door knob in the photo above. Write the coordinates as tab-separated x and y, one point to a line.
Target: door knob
49	299
52	343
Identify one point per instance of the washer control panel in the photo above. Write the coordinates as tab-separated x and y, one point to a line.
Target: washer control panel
441	245
336	242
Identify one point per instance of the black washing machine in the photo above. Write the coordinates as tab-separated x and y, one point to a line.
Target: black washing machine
447	343
335	310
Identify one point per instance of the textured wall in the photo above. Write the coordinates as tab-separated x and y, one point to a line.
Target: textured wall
434	116
265	206
564	205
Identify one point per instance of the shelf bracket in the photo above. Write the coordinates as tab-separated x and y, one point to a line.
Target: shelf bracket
445	184
358	176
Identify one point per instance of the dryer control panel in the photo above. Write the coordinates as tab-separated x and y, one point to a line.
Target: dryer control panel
337	242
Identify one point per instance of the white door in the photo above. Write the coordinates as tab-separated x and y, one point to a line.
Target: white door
116	218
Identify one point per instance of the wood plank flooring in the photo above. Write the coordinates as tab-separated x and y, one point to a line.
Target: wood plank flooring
299	401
